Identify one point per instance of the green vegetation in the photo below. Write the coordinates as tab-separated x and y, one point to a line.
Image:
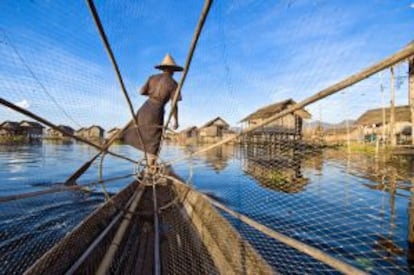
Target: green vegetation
12	139
277	177
364	148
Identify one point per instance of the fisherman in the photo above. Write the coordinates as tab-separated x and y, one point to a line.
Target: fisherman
160	89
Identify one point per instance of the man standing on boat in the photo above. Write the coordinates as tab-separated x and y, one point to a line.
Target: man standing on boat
160	89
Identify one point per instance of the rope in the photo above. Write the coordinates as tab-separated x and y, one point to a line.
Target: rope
395	58
53	126
108	49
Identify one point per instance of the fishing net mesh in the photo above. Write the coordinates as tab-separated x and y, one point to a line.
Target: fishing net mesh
324	176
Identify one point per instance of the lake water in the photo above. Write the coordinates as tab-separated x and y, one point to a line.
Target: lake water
355	207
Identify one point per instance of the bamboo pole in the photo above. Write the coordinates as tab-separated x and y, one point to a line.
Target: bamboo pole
74	268
108	49
55	127
196	36
157	261
347	82
298	245
392	109
113	248
56	190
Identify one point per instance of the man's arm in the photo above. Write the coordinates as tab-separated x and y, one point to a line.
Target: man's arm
144	89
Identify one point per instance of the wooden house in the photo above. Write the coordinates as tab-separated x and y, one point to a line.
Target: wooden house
289	126
52	133
189	134
214	128
95	132
31	129
10	128
81	132
375	124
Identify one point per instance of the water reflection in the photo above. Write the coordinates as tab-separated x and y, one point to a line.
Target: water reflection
355	206
280	168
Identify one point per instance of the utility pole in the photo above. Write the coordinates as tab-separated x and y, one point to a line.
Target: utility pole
392	109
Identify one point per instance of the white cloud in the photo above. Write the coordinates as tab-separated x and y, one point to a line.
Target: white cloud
23	104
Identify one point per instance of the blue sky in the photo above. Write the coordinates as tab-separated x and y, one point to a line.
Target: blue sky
251	53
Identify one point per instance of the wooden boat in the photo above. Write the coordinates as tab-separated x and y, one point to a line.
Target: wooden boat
194	238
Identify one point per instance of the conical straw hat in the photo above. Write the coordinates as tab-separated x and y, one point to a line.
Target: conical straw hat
168	62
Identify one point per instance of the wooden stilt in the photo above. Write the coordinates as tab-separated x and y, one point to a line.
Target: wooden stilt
392	109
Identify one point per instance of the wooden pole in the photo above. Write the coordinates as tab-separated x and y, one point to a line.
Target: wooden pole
108	49
387	62
55	127
120	233
392	109
411	93
383	111
196	36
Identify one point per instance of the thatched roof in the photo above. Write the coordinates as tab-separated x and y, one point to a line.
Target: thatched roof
66	128
272	109
211	122
96	126
189	129
10	125
374	116
340	131
32	124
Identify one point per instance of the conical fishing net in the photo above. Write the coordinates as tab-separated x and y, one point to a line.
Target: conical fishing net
293	152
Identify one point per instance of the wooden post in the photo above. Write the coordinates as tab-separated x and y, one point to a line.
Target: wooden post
411	93
392	109
348	141
384	121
